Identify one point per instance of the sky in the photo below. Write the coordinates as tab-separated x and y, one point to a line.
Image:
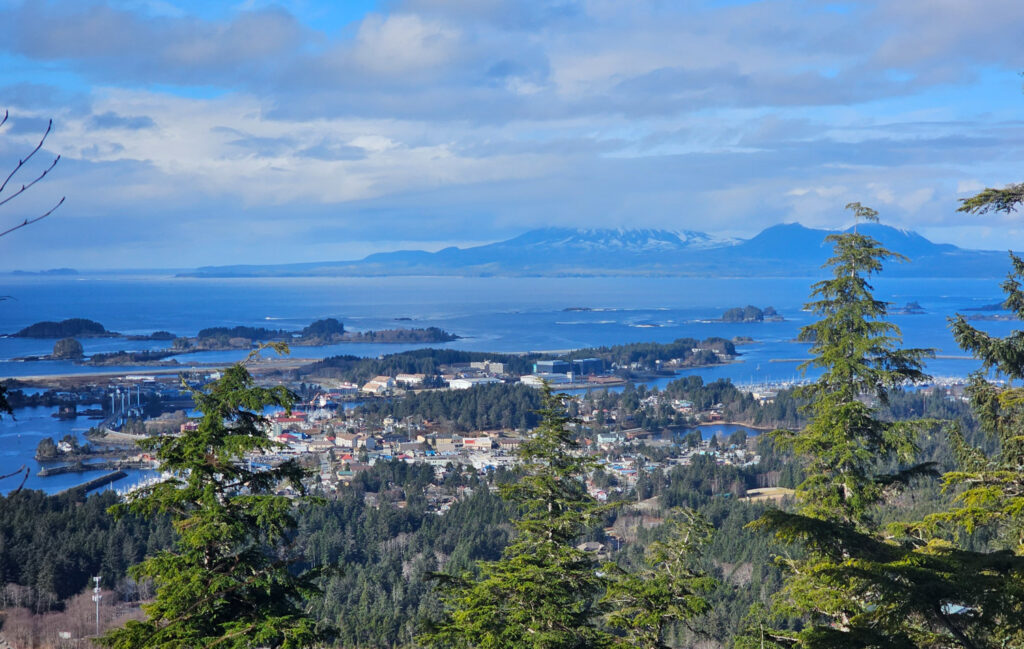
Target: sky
201	133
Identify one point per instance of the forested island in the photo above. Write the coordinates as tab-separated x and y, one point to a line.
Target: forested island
328	331
72	327
751	313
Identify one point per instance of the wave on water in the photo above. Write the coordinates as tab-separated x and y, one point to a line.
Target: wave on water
578	323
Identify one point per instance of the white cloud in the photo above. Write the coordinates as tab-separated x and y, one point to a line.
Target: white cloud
458	118
404	43
969	186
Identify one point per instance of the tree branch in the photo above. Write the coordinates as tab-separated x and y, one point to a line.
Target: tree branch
25	187
23	468
35	219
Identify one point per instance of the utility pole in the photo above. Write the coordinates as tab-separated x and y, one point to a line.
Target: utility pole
96	597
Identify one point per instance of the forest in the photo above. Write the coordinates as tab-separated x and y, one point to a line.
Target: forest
430	361
486	407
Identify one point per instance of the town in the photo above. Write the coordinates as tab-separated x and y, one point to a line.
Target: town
341	427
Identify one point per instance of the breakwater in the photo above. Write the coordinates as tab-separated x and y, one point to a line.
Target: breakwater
81	467
95	483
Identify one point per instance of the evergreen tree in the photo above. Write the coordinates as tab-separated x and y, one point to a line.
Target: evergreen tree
989	486
669	589
228	582
543	592
854	585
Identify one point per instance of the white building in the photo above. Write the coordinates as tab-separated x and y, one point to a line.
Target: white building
465	384
536	380
379	385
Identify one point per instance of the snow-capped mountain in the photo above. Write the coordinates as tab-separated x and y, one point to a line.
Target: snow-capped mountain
615	240
785	250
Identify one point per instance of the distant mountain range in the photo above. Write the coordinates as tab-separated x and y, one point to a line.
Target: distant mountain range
789	250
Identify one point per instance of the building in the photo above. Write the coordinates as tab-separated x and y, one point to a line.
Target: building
410	379
586	366
465	384
536	380
489	367
551	367
445	444
477	443
509	444
379	385
347	440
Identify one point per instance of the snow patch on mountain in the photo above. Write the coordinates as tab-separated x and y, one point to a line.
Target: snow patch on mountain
640	240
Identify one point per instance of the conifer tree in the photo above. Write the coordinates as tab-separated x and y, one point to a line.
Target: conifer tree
543	592
229	580
853	585
669	589
989	485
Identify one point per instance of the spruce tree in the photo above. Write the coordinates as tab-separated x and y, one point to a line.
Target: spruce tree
543	592
229	581
848	582
669	589
916	584
989	484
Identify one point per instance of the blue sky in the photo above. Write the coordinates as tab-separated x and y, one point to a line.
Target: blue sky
196	132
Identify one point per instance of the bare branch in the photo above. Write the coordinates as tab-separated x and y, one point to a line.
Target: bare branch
22	469
21	163
25	187
33	220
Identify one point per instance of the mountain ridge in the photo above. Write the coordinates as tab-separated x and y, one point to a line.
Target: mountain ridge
785	250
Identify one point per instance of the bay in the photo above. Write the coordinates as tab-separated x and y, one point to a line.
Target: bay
490	314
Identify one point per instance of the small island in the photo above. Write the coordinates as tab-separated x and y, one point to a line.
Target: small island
751	313
910	308
996	306
48	272
68	349
70	328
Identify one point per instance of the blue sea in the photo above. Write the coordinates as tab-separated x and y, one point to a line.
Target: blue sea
490	314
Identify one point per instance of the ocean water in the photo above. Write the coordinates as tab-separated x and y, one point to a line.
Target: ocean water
490	314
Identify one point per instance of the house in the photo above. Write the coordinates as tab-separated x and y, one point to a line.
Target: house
410	379
346	440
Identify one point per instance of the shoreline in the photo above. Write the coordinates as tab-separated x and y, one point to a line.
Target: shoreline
255	367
